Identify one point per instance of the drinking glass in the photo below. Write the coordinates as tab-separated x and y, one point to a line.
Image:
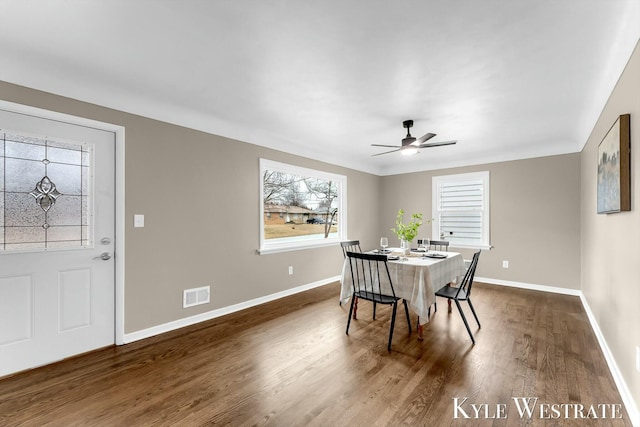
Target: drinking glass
384	242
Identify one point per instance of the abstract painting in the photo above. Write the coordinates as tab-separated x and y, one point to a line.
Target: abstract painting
614	161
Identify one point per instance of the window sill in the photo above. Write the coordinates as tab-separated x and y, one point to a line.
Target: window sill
296	247
470	246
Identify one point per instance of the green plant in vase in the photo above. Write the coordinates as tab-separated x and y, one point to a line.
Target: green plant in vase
407	232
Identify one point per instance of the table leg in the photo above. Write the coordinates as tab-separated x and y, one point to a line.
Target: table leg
355	307
420	329
448	300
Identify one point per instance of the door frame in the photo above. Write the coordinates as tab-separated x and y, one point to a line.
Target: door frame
119	195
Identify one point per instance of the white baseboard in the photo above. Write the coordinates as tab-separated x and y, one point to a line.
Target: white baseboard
625	394
627	398
532	286
188	321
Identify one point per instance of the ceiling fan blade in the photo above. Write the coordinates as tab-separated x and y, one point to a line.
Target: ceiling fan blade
424	138
436	144
386	152
387	146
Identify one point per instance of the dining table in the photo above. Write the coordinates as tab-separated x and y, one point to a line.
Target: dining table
416	277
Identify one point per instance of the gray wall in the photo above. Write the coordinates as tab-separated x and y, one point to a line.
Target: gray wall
200	196
611	243
535	217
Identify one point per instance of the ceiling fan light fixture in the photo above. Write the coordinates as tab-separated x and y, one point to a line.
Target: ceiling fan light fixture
409	151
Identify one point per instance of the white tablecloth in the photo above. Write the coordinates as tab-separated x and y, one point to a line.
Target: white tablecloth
415	280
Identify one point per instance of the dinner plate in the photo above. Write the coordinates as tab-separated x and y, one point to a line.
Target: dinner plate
434	255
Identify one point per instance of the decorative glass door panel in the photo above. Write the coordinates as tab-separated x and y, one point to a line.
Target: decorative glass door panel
45	193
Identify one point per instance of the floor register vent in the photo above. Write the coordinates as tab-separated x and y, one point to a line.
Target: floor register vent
195	296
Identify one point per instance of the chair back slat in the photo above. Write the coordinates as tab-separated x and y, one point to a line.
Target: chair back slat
350	246
467	281
370	274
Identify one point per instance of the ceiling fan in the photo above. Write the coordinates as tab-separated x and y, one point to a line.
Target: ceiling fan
410	145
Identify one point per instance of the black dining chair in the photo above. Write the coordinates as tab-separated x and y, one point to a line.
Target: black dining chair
462	293
350	246
368	271
439	245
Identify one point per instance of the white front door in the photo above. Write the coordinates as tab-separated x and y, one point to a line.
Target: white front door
57	231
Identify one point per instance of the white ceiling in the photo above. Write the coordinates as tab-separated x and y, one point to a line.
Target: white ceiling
325	79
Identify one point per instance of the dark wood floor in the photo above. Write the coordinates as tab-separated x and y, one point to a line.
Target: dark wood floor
289	363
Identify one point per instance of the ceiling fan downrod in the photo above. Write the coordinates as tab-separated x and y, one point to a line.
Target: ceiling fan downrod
408	124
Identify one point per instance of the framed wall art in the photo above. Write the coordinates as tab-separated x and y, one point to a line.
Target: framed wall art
614	163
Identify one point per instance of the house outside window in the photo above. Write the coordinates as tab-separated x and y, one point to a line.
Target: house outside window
461	209
310	207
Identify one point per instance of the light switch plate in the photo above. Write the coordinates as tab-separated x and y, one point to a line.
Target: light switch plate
138	221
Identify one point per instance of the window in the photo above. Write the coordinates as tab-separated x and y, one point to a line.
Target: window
301	208
461	209
45	199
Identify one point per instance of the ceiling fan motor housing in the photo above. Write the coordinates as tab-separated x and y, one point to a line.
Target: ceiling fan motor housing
409	140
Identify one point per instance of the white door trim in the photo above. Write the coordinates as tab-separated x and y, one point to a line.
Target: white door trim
119	195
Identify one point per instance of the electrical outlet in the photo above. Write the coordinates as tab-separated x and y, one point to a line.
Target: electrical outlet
290	270
505	264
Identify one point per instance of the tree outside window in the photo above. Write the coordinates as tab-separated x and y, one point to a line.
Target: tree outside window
300	207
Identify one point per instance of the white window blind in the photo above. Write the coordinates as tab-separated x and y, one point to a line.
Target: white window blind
461	209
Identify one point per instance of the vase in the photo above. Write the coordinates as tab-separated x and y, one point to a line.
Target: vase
405	246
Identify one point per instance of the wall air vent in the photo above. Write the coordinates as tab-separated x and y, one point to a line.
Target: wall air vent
195	296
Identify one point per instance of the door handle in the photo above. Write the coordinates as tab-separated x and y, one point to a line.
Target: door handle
104	256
